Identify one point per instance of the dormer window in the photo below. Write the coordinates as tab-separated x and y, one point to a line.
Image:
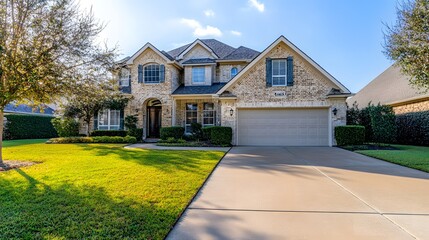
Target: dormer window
151	73
234	72
198	75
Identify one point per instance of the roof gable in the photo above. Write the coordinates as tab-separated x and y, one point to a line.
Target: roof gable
194	44
141	50
298	51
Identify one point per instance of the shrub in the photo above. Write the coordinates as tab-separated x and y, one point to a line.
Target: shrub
29	127
197	131
130	122
111	133
350	135
221	135
67	127
99	139
174	132
207	133
382	123
356	116
413	128
172	140
136	132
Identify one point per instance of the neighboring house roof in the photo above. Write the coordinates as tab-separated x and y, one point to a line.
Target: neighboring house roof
343	89
242	53
199	61
25	109
390	87
182	90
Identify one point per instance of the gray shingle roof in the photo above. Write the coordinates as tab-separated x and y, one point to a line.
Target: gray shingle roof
222	50
242	53
22	108
389	87
199	60
199	89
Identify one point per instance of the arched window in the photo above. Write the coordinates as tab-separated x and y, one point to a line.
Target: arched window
234	72
151	73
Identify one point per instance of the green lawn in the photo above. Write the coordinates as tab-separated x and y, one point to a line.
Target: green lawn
97	190
408	156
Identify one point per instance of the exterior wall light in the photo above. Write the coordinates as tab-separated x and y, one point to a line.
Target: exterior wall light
334	111
231	112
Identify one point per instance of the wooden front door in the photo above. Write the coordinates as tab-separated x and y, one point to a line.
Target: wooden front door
154	121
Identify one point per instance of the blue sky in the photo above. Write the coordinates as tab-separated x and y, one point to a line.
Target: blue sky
344	36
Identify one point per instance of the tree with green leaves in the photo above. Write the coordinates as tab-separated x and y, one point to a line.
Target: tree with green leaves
407	41
48	50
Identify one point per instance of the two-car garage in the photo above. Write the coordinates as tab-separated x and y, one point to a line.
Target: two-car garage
283	127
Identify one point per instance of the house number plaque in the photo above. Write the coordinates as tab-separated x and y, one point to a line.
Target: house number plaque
280	94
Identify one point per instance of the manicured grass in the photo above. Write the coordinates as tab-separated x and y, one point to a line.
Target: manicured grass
82	191
409	156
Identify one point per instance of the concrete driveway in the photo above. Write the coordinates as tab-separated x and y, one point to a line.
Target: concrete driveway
307	193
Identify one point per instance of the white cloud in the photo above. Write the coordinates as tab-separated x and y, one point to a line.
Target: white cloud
199	30
258	5
209	13
235	33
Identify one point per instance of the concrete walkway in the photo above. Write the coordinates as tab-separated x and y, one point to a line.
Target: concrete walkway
307	193
154	146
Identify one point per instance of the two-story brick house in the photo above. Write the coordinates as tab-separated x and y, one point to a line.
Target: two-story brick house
277	97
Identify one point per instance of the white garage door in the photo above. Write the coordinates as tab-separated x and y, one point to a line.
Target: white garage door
283	127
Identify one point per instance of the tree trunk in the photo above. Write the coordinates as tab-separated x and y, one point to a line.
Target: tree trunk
1	137
88	124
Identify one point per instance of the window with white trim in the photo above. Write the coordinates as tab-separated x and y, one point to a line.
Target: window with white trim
124	80
198	74
234	72
151	73
279	72
191	116
209	114
109	119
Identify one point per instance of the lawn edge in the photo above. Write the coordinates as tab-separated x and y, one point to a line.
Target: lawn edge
385	160
196	193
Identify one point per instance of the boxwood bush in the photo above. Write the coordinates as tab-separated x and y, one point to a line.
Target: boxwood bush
413	128
98	139
221	135
28	127
111	133
207	133
171	132
350	135
136	132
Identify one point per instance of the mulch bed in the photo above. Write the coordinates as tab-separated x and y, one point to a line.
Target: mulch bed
11	164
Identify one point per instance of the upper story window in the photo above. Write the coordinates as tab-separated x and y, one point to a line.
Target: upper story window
124	77
198	74
279	72
234	72
152	73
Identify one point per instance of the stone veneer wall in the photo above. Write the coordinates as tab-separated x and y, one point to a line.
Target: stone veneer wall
142	93
412	107
309	90
223	71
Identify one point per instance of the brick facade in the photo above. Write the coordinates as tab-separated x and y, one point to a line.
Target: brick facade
412	107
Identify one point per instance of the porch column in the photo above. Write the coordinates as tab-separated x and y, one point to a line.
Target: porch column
173	113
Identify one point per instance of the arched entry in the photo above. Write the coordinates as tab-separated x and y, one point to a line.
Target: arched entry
154	115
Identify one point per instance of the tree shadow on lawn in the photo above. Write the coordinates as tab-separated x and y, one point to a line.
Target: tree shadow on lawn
32	209
165	160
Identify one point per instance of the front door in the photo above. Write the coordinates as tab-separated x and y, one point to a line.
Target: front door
154	121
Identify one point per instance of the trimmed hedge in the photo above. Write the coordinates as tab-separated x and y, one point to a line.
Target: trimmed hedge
100	139
171	132
67	127
221	135
109	133
137	133
350	135
29	127
413	128
207	133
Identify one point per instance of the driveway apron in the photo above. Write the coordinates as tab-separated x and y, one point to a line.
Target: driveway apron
307	193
